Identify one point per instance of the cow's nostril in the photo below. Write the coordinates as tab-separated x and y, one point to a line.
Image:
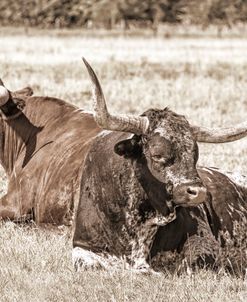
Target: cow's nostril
189	194
192	191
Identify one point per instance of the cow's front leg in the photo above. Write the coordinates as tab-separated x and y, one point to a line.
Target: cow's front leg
14	206
201	249
7	209
141	247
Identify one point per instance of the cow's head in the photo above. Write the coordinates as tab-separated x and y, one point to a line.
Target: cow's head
12	103
171	153
167	142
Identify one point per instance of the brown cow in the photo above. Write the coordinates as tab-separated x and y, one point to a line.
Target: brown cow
44	149
138	191
42	145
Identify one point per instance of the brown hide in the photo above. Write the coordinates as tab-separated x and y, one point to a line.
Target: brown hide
120	199
42	152
27	91
225	207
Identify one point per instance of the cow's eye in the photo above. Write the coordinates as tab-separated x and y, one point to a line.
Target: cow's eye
166	161
158	158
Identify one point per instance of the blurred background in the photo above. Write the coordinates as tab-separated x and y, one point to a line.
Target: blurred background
125	14
189	55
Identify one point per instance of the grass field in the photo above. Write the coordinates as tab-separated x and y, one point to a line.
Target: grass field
204	79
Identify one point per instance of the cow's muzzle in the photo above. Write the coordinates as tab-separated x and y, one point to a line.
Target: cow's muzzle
189	194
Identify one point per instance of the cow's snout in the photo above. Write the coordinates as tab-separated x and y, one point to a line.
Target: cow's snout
189	194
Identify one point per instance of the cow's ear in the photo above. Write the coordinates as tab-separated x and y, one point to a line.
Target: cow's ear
129	148
27	91
19	102
12	104
13	107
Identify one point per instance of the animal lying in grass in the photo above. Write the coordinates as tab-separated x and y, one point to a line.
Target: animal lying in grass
142	194
140	186
43	142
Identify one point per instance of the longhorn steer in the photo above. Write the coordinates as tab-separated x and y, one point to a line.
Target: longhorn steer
43	141
138	191
46	144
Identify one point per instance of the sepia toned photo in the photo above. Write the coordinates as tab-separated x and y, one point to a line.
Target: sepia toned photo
123	150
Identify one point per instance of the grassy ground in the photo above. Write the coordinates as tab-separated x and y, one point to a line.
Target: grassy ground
36	266
204	79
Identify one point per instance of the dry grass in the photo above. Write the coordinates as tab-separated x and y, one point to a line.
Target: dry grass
205	79
36	266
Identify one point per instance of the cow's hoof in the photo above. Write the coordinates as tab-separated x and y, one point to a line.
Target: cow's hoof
142	267
86	260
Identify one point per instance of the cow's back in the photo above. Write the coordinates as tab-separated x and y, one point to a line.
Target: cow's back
56	137
228	199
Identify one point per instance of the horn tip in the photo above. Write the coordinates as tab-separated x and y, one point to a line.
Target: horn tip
85	61
4	95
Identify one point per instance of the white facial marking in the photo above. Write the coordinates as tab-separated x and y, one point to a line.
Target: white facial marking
162	131
175	179
159	130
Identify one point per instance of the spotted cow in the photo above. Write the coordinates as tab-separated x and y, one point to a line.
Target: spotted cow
142	193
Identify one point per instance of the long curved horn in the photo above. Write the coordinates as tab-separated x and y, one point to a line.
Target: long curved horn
104	119
4	95
220	135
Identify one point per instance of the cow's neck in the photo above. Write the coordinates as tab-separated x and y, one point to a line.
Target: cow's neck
155	190
15	142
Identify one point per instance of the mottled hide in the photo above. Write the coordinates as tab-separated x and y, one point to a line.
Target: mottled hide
138	194
120	198
139	191
198	232
42	145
